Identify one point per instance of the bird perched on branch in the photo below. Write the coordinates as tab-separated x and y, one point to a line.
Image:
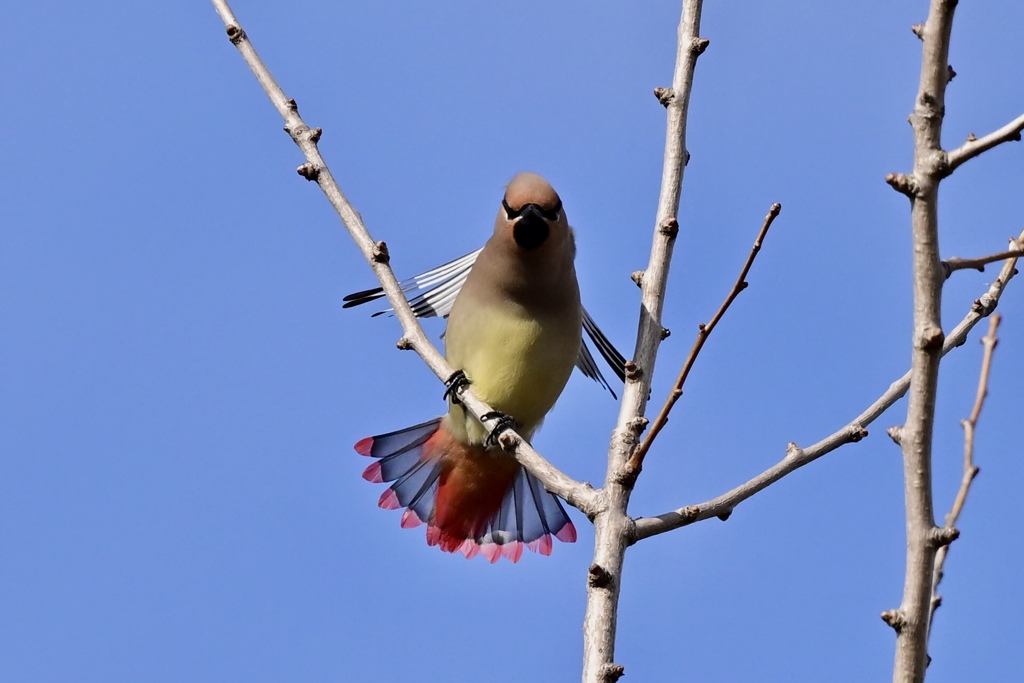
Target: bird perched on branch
515	327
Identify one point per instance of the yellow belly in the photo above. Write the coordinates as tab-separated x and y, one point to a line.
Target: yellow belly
516	364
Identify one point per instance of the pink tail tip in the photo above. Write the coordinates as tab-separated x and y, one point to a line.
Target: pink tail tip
512	551
542	545
567	534
410	519
363	446
372	473
492	551
388	500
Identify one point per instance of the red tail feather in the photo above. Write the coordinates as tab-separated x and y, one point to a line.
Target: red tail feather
470	489
473	500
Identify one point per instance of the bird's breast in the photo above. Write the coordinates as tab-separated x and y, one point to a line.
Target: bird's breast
517	363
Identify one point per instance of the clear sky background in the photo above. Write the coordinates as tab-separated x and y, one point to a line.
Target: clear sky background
180	388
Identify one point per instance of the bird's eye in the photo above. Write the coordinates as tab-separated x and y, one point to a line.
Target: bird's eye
550	214
509	212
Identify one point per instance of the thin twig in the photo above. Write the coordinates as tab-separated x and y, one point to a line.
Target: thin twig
580	495
975	146
971	470
636	461
613	527
796	457
955	263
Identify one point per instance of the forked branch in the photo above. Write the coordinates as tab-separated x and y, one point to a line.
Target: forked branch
971	470
796	457
613	526
704	331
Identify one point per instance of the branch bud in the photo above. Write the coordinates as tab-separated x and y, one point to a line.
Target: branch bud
633	371
904	184
508	442
894	618
665	95
931	339
611	672
793	451
669	228
896	434
235	34
598	576
308	171
380	253
638	424
942	536
857	433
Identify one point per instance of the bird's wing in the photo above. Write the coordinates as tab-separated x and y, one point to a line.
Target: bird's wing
434	290
432	294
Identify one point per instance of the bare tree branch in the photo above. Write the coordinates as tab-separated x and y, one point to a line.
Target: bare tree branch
613	526
955	263
636	461
975	146
971	470
930	165
580	495
796	457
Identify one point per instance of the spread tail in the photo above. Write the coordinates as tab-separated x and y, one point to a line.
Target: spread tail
473	500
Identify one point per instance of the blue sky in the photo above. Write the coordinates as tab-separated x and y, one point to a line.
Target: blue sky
179	498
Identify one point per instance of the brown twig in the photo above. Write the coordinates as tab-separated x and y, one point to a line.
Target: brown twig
636	461
796	457
971	470
975	145
956	263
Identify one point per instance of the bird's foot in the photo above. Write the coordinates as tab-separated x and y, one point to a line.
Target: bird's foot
505	423
454	385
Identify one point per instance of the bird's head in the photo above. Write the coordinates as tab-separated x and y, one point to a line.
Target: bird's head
531	214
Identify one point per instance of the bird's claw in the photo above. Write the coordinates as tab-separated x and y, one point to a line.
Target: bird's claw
505	423
454	385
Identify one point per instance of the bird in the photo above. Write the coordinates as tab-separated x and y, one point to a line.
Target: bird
514	334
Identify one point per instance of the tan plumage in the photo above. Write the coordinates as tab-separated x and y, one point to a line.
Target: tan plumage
515	331
515	328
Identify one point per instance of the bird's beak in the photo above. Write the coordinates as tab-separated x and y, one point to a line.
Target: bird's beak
531	228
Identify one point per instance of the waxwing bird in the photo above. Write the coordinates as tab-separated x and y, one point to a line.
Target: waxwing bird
515	327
